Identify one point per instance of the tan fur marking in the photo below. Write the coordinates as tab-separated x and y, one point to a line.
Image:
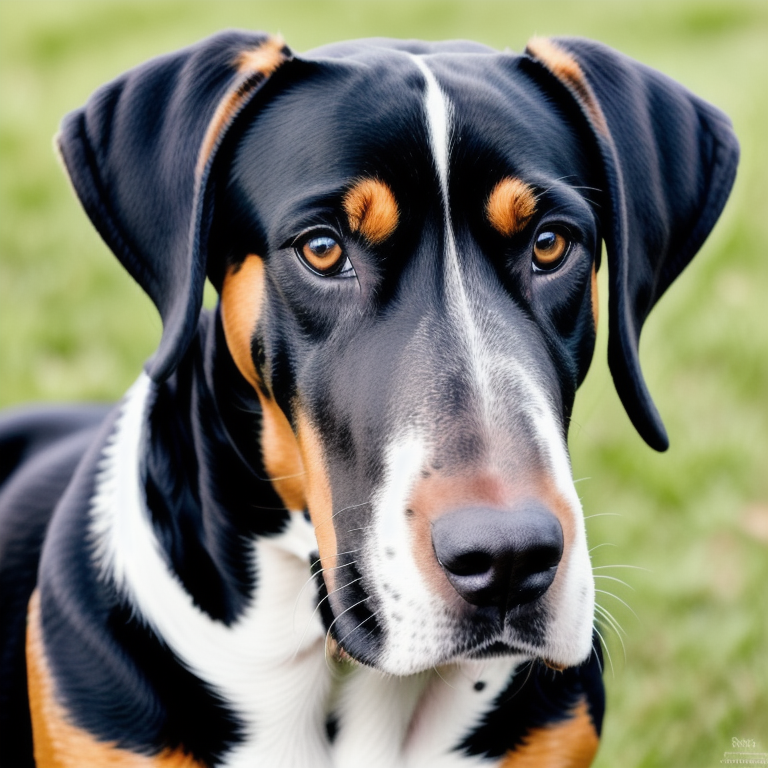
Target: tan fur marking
510	206
372	210
595	298
569	744
254	67
242	295
58	743
264	59
566	69
319	496
282	459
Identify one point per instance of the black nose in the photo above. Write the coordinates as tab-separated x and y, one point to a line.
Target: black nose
502	557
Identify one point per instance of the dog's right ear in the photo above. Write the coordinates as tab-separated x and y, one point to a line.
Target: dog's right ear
140	155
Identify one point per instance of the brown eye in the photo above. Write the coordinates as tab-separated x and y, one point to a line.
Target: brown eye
323	254
550	249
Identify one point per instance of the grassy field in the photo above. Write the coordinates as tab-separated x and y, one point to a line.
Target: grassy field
690	527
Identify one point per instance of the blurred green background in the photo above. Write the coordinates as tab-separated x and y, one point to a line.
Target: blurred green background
686	531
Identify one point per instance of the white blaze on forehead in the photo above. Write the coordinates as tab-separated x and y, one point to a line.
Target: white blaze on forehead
438	111
466	316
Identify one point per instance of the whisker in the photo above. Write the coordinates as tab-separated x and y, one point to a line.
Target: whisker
340	642
614	625
604	544
311	578
613	578
604	514
557	208
289	477
250	411
597	656
607	652
336	674
445	682
338	554
346	610
317	608
608	616
339	511
328	635
616	597
530	663
581	186
616	565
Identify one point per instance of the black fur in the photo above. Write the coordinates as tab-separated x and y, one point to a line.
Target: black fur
175	206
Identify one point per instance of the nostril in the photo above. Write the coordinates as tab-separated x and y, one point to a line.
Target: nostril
499	557
468	564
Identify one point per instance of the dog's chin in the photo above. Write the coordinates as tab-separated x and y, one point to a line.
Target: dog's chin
502	649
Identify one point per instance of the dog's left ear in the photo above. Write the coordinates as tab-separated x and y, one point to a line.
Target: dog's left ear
140	156
669	161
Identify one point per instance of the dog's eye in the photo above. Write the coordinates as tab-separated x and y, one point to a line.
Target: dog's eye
323	255
550	249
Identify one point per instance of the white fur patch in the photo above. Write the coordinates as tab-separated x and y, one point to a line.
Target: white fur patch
438	110
412	617
269	667
417	721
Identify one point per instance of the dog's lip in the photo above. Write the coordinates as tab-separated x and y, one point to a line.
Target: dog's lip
337	653
501	648
496	647
554	665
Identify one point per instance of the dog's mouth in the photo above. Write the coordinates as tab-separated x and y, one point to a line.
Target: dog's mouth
361	628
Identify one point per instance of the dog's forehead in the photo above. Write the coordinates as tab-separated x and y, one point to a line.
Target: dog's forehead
359	109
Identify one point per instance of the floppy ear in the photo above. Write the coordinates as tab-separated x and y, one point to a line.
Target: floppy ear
669	162
140	155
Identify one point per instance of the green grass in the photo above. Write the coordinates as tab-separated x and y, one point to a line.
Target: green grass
694	672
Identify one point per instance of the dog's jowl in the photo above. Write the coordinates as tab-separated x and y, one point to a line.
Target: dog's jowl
333	521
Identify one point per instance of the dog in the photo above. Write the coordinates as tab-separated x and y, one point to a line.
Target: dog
333	521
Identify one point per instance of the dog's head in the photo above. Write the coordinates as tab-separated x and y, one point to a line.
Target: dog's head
405	238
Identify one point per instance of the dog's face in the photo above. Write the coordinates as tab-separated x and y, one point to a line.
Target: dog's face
417	299
405	238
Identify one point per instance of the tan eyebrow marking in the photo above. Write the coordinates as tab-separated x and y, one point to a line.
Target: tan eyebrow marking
510	206
566	69
372	210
